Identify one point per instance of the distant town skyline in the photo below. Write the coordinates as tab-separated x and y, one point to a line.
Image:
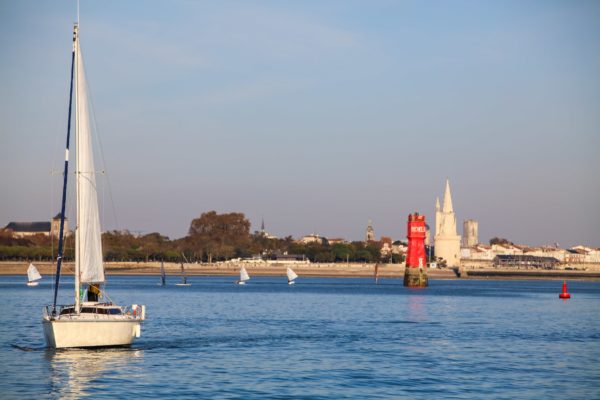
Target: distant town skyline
317	117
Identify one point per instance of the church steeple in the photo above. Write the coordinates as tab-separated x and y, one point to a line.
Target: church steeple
448	199
437	204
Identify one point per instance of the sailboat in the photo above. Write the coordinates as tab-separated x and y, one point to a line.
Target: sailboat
88	322
184	281
163	275
291	275
33	275
243	277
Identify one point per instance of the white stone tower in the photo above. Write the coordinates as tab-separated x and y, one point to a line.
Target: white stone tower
470	236
447	241
370	236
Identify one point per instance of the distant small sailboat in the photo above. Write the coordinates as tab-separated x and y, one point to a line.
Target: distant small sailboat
33	275
243	277
291	275
184	281
163	275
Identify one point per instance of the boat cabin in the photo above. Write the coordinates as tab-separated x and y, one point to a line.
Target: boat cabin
96	308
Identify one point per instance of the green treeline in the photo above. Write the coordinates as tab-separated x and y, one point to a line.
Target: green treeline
211	237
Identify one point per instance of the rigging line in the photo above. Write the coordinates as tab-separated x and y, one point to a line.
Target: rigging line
96	130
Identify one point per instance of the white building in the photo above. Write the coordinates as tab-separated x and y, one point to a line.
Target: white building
506	250
447	241
312	238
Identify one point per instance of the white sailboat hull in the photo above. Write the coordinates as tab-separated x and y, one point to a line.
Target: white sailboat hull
64	333
32	283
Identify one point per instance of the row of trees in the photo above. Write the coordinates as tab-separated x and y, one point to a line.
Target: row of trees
211	237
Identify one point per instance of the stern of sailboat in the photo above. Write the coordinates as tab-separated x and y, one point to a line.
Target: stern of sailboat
96	325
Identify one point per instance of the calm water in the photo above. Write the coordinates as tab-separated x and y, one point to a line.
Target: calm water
323	338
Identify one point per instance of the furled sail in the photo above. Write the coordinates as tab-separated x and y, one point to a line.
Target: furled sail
88	219
291	275
33	274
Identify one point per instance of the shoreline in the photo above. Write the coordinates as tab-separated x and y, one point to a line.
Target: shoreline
352	270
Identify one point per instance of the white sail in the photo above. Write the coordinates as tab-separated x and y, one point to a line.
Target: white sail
89	245
291	275
33	274
244	275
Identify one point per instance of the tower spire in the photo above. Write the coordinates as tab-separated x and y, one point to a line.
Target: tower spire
437	204
448	199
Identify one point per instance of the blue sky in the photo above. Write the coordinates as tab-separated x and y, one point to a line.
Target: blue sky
317	116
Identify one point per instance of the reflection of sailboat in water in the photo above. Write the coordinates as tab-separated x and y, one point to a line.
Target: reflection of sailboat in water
243	277
184	281
33	275
76	373
291	275
87	322
163	275
376	273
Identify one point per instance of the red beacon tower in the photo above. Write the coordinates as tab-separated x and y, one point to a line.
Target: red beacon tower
415	272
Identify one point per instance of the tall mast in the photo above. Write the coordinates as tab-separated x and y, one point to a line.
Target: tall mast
65	175
77	170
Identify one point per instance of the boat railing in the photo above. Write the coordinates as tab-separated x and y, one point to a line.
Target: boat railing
134	311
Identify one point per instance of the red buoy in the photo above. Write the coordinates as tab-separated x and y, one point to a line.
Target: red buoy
564	294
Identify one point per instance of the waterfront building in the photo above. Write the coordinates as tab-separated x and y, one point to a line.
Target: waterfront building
484	254
399	247
385	246
281	258
582	254
24	229
312	238
478	252
507	249
546	251
370	236
470	234
446	240
525	261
